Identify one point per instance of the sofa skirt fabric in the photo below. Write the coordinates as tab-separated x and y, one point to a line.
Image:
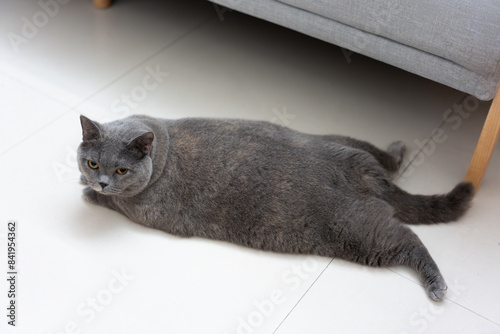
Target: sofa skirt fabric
469	66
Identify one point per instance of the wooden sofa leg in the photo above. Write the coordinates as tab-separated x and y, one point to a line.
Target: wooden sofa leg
486	144
102	3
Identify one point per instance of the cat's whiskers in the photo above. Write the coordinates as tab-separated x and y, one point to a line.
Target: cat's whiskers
114	190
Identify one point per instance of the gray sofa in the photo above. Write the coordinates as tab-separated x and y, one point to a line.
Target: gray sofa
453	42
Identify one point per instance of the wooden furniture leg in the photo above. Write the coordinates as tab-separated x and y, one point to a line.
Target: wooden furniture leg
486	143
102	3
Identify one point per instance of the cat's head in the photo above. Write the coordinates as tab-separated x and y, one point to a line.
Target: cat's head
115	157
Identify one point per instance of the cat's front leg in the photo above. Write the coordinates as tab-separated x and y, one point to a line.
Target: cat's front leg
92	196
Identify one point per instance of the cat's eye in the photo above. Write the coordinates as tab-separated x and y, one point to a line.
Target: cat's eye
122	171
93	164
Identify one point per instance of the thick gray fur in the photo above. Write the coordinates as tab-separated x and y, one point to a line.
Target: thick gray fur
265	186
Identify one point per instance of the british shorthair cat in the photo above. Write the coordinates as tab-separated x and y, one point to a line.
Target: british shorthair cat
265	186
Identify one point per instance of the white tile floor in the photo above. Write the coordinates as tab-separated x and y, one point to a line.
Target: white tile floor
85	269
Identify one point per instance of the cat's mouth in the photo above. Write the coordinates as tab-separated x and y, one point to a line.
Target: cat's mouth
105	189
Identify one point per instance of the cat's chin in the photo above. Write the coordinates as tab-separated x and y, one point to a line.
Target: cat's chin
109	192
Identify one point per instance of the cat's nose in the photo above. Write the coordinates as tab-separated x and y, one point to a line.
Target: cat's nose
103	185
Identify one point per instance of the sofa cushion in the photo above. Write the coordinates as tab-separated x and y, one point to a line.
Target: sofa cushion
466	32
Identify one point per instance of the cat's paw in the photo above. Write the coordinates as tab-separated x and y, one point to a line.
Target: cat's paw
89	195
397	150
83	180
436	288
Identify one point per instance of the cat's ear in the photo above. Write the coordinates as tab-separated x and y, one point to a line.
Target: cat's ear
143	144
90	129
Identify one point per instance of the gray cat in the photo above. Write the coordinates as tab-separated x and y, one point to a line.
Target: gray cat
265	186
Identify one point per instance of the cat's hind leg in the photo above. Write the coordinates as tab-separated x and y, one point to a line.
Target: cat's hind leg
397	149
378	239
391	159
394	244
401	246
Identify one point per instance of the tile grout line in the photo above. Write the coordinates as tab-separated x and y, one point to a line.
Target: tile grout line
450	300
36	90
169	45
297	303
35	133
178	39
400	174
472	311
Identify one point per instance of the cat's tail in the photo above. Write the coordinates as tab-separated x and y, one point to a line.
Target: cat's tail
422	209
